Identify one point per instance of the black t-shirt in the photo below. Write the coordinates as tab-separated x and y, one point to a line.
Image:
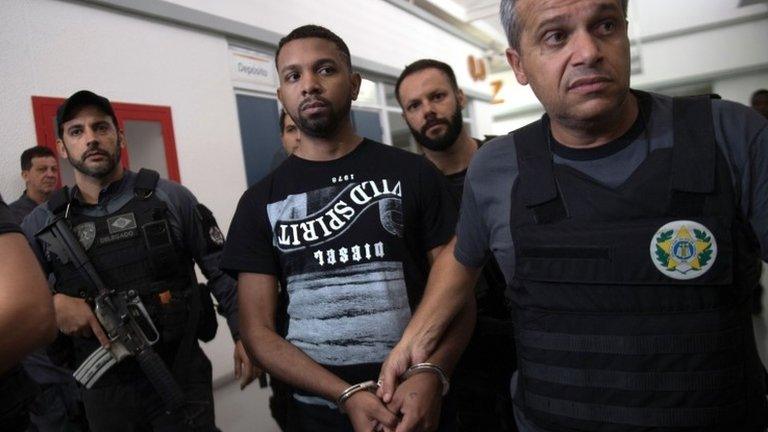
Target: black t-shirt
348	239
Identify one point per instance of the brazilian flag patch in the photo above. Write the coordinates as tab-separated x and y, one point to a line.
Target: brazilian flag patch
683	249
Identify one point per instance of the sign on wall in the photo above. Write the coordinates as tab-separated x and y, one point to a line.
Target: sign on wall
252	70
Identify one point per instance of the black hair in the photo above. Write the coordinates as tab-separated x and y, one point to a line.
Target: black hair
315	31
33	152
758	93
420	65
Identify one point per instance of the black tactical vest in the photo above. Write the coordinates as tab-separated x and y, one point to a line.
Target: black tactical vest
625	323
132	249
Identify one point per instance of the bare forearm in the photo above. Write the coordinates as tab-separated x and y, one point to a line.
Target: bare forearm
257	302
449	288
456	338
289	364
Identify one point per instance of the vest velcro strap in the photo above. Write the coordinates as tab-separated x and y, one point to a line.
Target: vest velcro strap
639	381
631	345
651	417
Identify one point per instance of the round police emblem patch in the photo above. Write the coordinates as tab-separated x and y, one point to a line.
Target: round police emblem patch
683	249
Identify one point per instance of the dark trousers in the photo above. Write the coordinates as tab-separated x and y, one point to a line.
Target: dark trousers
480	385
127	402
58	408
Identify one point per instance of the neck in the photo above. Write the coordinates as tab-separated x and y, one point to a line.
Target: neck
326	149
596	133
90	187
456	157
37	196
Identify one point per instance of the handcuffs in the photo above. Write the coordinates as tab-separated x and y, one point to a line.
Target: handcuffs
372	386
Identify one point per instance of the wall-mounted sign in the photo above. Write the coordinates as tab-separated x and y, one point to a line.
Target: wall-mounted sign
252	69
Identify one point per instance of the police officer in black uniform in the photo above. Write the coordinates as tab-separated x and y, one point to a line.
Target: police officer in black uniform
432	106
628	226
144	234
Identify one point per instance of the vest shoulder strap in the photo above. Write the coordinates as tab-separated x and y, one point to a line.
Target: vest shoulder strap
693	154
536	173
146	181
59	200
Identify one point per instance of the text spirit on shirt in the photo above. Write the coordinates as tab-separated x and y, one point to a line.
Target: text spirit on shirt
335	217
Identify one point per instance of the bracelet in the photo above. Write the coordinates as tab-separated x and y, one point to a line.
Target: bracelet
428	367
351	390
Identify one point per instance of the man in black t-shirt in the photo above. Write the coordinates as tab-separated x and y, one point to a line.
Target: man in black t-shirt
432	103
348	227
26	320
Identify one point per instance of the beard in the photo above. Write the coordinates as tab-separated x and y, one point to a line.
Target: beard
99	171
322	126
441	143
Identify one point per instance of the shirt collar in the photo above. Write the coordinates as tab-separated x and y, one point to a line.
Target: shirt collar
116	188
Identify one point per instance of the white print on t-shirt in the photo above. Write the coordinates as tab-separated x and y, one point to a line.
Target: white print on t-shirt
339	214
343	255
341	178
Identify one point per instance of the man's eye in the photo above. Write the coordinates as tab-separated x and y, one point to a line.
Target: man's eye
412	107
439	97
555	37
607	26
292	77
75	132
326	70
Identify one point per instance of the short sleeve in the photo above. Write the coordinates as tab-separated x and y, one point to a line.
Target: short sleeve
248	248
472	237
438	211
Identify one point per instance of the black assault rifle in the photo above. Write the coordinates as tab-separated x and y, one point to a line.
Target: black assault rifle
122	315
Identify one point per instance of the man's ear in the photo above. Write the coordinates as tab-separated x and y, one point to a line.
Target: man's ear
461	98
515	60
61	149
121	139
356	80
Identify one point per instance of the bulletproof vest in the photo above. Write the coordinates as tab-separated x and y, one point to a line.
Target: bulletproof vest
132	249
632	303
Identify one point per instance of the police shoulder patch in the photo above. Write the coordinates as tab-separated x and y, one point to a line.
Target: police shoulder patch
683	249
214	238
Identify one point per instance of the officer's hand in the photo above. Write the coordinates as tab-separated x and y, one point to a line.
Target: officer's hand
75	318
418	399
402	356
245	370
367	413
